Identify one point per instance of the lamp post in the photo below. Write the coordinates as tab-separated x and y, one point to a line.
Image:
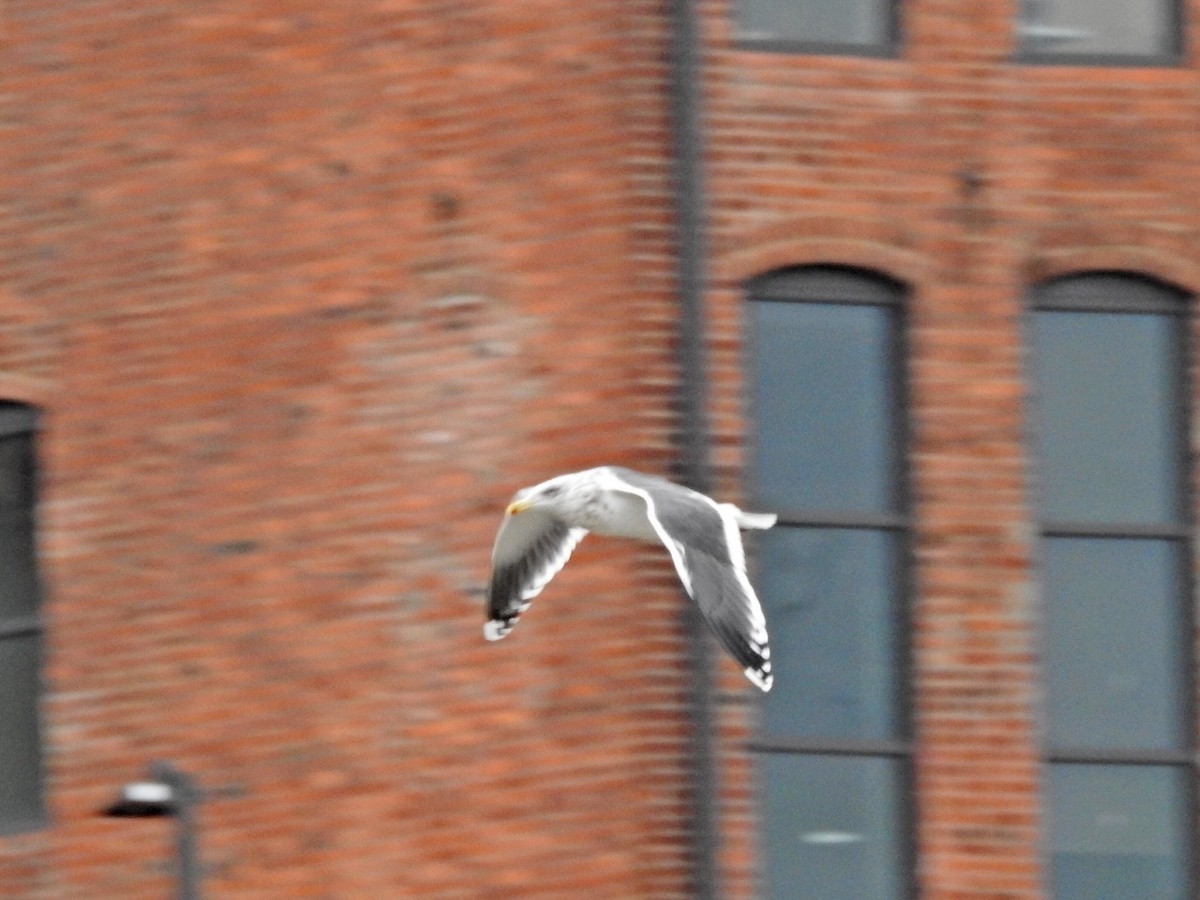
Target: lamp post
167	792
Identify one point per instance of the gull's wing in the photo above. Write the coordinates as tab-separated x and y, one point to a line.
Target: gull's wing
530	549
705	544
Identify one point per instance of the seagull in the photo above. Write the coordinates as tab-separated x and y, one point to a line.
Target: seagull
544	523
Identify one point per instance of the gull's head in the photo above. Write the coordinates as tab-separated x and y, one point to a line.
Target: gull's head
547	496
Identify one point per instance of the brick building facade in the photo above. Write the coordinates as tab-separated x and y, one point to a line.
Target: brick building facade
301	292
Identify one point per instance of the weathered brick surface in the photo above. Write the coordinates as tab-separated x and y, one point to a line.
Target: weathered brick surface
968	178
307	289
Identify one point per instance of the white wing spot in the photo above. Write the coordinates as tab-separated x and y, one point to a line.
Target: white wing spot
762	679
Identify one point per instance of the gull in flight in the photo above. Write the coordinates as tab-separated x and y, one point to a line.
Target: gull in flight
543	524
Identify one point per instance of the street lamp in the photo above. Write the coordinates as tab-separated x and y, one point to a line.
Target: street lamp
167	792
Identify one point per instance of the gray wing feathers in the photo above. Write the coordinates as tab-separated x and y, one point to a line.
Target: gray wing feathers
530	550
733	616
705	545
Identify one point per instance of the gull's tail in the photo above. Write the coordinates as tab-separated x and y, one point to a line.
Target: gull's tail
748	521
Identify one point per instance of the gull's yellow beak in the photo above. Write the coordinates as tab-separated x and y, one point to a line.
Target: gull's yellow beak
517	506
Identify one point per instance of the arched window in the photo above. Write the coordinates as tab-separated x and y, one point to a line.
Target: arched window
1111	426
21	800
827	395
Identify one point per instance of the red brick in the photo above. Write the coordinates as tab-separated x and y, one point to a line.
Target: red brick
306	290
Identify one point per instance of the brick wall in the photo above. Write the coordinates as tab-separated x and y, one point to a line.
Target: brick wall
306	290
968	178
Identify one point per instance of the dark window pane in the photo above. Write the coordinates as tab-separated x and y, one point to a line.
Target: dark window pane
16	471
1107	27
1118	832
852	22
18	578
830	827
828	596
823	396
1107	418
20	768
17	418
18	585
1113	650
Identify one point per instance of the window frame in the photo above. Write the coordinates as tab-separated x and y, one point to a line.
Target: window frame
841	285
888	48
1173	56
1108	292
23	419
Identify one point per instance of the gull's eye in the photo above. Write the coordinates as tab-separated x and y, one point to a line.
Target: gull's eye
551	491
